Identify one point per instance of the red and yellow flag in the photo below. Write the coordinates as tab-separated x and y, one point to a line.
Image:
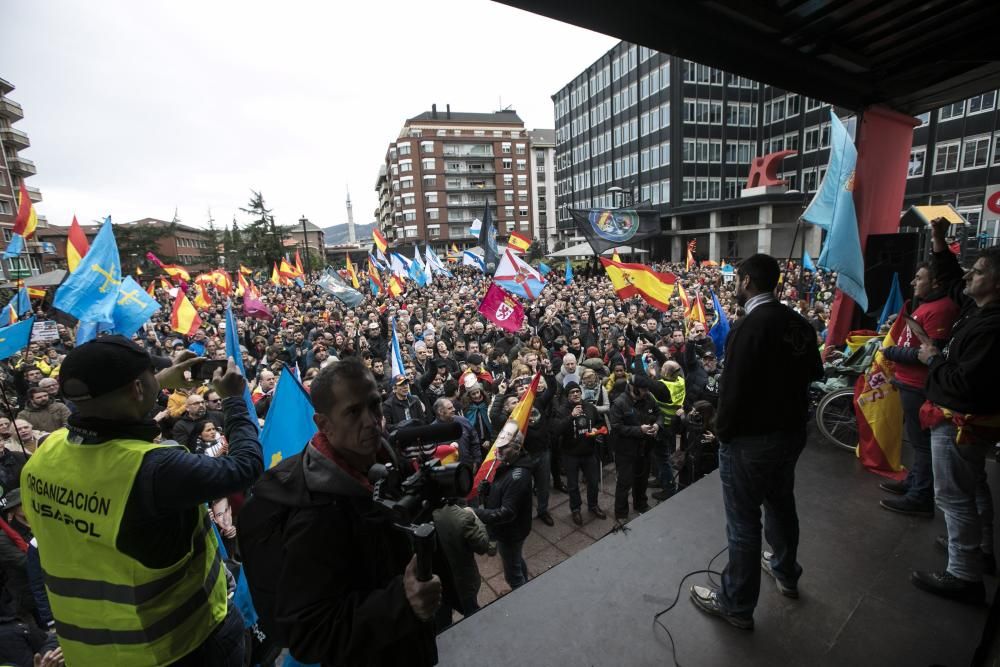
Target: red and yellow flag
638	279
354	274
244	270
879	411
76	245
396	285
518	242
184	318
287	271
521	414
690	263
36	293
201	299
696	313
275	276
374	277
172	270
298	264
151	291
685	301
26	220
379	240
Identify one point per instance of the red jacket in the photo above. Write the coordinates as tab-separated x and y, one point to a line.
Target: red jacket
937	318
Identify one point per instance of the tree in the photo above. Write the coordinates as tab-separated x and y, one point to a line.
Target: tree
261	240
135	240
534	251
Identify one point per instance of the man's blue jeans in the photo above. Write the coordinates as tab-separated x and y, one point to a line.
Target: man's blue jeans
964	497
540	472
591	470
515	570
759	470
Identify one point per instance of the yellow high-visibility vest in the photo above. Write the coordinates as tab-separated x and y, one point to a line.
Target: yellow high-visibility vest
109	608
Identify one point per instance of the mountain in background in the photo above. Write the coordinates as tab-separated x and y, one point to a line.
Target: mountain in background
337	234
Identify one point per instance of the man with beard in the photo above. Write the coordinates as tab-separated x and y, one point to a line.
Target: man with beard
42	412
770	352
402	406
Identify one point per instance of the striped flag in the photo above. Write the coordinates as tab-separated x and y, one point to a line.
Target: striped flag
175	271
879	411
373	278
521	414
76	245
298	264
396	357
690	262
275	278
184	318
151	290
638	279
379	240
245	271
354	274
24	224
518	242
396	286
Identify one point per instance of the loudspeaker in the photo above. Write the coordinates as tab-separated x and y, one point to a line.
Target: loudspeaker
886	254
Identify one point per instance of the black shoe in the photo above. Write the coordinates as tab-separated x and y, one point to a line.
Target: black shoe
598	512
905	506
765	564
708	601
547	519
577	519
989	560
642	509
661	495
948	586
894	487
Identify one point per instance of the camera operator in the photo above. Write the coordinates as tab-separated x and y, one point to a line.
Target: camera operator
506	503
341	586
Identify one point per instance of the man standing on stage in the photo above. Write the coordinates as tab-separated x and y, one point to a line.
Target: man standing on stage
771	357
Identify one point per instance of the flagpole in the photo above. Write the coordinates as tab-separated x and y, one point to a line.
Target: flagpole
791	251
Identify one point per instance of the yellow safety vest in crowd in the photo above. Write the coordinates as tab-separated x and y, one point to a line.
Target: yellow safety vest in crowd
678	392
109	608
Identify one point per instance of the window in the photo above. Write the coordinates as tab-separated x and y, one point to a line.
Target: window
508	180
431	197
812	104
521	149
809	180
733	187
739	152
427	165
522	181
508	195
508	211
426	146
924	118
792	141
431	213
742	114
996	149
522	195
811	139
696	73
792	105
507	164
983	103
407	183
404	149
918	155
665	153
434	231
951	111
522	211
479	133
505	148
522	165
702	111
975	152
405	165
6	209
409	200
429	181
946	157
409	215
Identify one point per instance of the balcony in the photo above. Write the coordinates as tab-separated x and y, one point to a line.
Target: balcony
454	201
11	109
34	193
15	138
470	169
21	166
474	150
473	185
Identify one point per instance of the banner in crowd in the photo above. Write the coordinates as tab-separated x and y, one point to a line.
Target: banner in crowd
289	425
631	280
518	277
880	412
488	240
334	285
502	309
606	228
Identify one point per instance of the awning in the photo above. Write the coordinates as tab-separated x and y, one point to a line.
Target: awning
584	249
47	279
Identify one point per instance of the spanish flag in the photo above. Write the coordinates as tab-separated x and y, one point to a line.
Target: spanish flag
690	262
151	291
201	299
615	257
879	411
184	318
275	277
521	414
221	279
244	270
36	293
396	285
697	312
26	220
518	242
379	240
632	279
374	278
298	264
172	270
350	270
684	298
287	271
76	245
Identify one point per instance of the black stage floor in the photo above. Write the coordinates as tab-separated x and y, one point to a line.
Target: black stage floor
857	606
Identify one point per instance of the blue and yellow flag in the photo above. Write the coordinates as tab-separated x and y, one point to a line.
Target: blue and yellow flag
289	425
133	308
233	350
90	293
15	338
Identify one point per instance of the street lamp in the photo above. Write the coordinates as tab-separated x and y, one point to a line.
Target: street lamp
305	238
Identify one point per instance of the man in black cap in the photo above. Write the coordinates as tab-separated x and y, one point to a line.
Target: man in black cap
402	406
132	569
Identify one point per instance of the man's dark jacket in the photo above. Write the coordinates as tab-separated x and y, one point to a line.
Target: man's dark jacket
627	415
771	357
394	410
334	594
506	510
569	431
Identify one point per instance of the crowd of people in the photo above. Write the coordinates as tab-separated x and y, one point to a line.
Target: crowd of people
622	385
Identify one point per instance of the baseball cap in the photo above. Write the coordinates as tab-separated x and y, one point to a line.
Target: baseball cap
708	354
400	379
101	366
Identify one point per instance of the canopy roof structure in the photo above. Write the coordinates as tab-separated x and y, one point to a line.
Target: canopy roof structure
584	249
910	56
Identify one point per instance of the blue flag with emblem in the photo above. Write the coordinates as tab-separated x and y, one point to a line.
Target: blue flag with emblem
289	425
720	328
832	209
91	292
15	338
133	308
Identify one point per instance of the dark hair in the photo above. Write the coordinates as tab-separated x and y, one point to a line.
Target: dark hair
763	271
321	389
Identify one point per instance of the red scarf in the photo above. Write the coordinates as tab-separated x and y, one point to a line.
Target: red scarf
14	536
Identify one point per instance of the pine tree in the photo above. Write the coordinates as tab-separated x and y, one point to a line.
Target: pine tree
261	240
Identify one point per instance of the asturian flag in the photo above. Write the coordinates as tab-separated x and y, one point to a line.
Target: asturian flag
518	277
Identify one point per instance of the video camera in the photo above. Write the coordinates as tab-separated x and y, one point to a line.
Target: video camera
410	500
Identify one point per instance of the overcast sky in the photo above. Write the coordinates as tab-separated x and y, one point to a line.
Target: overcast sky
135	108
